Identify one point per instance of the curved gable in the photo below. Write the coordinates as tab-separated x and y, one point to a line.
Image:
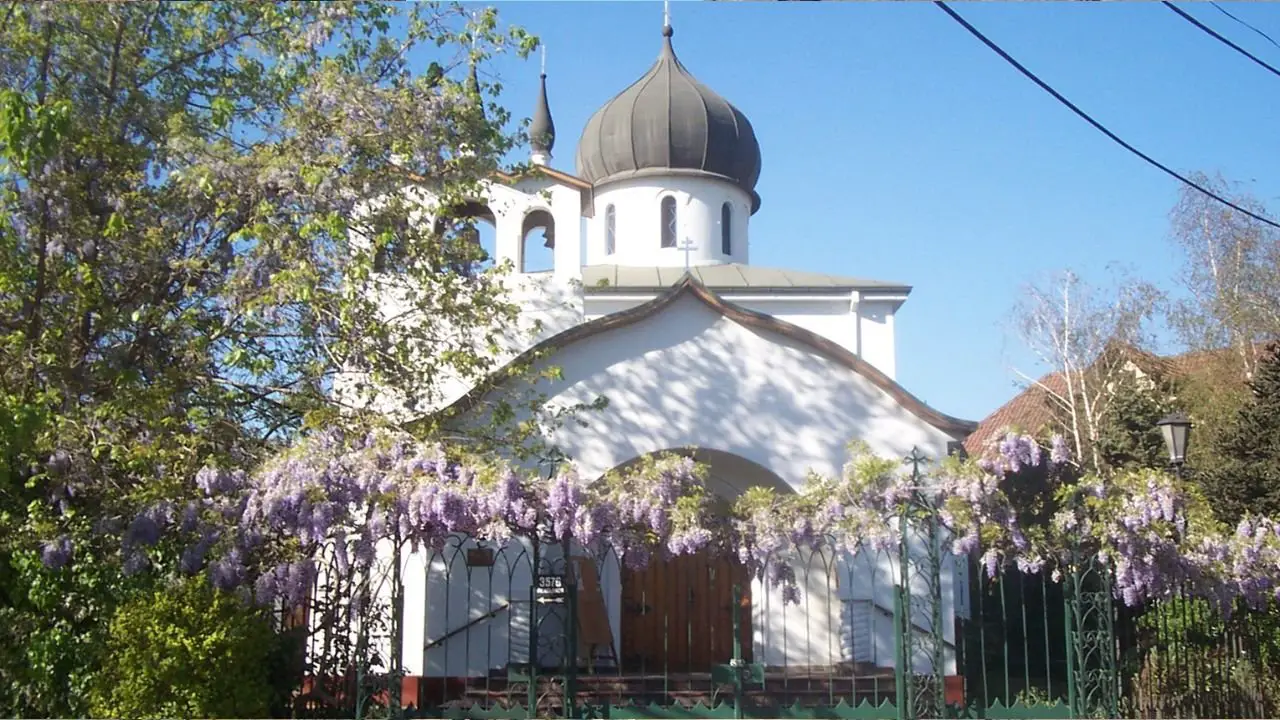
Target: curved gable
688	286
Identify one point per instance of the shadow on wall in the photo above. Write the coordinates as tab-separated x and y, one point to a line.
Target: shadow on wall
688	376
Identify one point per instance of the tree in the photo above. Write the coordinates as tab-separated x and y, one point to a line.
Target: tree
1247	479
187	265
1231	272
1089	337
1128	438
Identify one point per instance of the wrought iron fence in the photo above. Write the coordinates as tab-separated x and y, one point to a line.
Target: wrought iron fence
532	629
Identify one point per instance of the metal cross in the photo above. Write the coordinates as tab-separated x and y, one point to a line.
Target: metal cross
686	246
915	460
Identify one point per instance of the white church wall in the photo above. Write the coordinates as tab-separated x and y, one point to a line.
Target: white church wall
806	633
689	376
565	205
867	332
638	221
869	581
831	318
876	334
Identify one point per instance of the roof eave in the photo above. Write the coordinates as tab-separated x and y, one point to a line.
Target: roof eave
875	292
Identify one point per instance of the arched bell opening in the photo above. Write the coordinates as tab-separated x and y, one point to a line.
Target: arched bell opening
468	233
537	241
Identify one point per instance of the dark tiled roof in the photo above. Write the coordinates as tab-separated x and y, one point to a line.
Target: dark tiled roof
669	123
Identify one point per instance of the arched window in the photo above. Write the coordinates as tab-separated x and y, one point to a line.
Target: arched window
668	222
610	230
726	229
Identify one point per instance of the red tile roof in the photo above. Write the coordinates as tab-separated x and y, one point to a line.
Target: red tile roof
1032	409
1029	411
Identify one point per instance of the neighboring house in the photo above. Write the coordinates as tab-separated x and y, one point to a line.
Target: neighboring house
767	373
1034	409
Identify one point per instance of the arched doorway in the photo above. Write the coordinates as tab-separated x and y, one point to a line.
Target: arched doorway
678	614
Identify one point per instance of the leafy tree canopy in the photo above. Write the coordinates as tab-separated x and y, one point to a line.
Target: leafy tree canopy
1246	478
187	250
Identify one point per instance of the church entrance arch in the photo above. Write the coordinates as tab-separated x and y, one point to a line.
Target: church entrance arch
677	614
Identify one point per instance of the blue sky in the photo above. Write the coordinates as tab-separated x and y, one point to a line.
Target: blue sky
898	147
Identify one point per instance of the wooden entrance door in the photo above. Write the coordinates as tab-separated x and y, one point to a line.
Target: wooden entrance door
677	614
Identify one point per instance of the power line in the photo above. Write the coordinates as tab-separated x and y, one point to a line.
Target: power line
1233	17
1097	125
1220	38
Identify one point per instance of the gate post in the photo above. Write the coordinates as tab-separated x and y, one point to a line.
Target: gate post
899	660
738	695
570	633
395	707
536	566
738	672
1092	680
902	621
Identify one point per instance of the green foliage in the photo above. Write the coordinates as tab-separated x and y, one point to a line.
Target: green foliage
1127	435
1190	657
1246	478
185	275
190	651
1212	396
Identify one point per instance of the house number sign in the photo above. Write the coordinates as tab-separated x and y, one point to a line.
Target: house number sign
549	589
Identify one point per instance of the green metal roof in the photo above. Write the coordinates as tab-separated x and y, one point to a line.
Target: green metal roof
727	277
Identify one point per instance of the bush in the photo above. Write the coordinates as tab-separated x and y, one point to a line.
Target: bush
191	651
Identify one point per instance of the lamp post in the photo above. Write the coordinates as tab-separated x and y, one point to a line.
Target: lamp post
1176	430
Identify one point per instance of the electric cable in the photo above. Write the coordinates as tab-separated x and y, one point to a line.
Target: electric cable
1097	125
1242	22
1182	13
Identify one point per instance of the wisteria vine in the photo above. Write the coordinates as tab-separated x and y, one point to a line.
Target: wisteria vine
259	533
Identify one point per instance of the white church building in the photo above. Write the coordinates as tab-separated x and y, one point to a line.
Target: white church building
767	373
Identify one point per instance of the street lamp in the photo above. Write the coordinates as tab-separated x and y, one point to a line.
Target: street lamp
1176	429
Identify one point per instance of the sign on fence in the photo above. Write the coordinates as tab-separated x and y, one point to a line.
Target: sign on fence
549	589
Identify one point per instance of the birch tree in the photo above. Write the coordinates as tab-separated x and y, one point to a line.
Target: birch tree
1230	275
1089	337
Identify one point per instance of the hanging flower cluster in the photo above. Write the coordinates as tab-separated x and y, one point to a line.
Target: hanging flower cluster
260	532
866	506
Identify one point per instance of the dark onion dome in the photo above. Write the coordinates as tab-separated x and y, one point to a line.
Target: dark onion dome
542	130
669	123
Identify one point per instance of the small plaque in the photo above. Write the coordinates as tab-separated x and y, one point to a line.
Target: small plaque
480	557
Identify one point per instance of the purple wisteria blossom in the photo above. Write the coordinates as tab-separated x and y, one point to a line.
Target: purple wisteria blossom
341	499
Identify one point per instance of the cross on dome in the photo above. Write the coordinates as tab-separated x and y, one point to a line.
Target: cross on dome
668	123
